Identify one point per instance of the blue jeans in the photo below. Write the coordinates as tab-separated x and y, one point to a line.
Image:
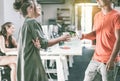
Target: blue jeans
94	68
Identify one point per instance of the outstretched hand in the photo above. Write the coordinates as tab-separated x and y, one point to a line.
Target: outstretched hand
82	37
36	43
65	37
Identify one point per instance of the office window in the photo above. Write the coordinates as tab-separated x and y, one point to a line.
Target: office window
84	14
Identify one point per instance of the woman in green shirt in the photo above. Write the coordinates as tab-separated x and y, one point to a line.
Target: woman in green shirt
30	66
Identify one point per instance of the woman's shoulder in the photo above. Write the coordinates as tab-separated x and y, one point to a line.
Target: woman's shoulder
1	37
30	20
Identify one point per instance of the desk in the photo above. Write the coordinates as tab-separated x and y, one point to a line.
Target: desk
74	45
59	66
59	54
12	53
75	48
59	70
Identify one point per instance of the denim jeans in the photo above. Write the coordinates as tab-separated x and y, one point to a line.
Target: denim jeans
94	68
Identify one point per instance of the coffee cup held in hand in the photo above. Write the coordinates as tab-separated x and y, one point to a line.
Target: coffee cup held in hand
66	33
79	33
68	36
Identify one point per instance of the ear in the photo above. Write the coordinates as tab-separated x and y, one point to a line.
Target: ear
29	9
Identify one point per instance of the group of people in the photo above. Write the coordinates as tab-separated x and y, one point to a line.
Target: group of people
31	38
106	31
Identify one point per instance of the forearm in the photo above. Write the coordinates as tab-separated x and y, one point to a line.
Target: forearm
91	35
65	37
116	47
115	50
10	49
54	41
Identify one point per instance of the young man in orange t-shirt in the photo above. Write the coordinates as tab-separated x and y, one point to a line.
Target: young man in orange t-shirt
107	34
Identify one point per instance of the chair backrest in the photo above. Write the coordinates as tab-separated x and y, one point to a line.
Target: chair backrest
45	30
53	31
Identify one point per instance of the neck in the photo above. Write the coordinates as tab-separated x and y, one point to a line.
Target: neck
106	9
30	16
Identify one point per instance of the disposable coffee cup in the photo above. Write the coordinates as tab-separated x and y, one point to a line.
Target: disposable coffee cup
79	33
66	33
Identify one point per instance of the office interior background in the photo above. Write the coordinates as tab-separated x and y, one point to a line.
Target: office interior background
75	14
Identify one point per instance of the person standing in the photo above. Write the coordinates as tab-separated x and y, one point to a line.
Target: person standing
106	31
29	66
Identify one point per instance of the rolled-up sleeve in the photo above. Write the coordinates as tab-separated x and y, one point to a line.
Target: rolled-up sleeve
37	31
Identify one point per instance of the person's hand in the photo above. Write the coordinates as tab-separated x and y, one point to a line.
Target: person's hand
65	37
82	37
110	65
36	43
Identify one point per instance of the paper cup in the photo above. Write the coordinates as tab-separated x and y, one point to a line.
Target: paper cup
79	33
65	33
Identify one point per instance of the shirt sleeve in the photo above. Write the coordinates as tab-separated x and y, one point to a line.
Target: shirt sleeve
36	31
117	21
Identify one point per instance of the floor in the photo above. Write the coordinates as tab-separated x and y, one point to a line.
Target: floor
80	65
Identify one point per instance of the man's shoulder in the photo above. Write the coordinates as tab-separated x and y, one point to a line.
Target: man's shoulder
115	13
99	13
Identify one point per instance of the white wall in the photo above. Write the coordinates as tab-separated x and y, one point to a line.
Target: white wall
8	14
50	10
117	8
1	11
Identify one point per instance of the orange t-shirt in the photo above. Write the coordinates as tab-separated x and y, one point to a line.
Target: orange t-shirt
105	26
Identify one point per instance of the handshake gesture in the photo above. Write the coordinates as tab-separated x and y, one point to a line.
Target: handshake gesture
64	37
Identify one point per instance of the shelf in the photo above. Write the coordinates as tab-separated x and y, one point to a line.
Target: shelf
63	14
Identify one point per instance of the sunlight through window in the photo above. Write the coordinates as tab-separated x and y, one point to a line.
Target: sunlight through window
84	14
